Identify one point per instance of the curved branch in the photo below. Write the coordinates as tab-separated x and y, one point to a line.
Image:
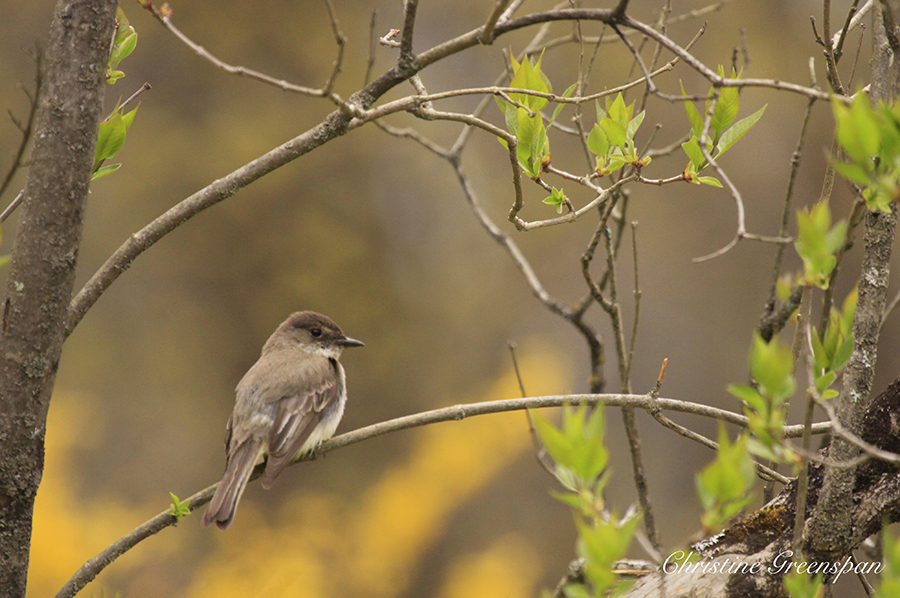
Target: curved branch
647	402
336	124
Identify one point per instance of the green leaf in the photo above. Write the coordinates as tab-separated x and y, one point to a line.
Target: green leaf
577	445
748	394
803	585
113	76
783	288
557	198
740	128
693	115
824	381
105	170
512	118
179	509
597	142
725	112
848	310
723	485
529	139
121	51
772	365
615	163
124	43
853	172
858	129
560	106
615	131
568	498
890	576
710	180
123	26
618	111
817	243
110	138
634	124
601	545
575	590
128	117
528	76
552	438
691	147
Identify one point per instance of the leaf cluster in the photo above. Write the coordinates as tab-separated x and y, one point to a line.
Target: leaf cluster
870	137
724	485
579	454
890	576
723	131
612	138
110	139
771	367
817	243
523	115
804	585
580	459
178	508
123	44
832	352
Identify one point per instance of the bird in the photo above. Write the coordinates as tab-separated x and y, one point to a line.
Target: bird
288	403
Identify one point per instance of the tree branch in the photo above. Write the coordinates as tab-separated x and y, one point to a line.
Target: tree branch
447	414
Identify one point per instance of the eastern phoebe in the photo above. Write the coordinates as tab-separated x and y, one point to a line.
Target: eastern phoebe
288	403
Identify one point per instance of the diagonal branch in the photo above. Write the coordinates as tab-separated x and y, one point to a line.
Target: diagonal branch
164	16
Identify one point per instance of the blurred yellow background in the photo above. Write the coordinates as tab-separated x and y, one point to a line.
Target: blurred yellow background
375	232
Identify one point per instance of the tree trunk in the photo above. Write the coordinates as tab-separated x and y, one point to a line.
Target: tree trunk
752	557
44	255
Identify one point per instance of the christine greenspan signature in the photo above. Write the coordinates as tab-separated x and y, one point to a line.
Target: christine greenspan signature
782	564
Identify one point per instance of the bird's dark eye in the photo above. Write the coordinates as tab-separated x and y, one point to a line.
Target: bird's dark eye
316	332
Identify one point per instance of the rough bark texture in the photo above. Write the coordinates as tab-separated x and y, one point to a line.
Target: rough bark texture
764	538
828	530
43	263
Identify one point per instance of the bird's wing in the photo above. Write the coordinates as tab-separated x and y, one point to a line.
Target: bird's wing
296	417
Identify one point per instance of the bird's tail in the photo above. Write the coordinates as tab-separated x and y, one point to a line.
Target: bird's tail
224	502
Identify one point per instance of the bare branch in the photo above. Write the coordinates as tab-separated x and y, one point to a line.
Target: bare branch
447	414
166	20
370	62
26	129
341	41
406	37
487	32
785	215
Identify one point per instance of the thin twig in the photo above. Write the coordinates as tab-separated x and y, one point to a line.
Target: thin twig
651	86
406	35
487	32
26	130
890	308
637	301
837	42
540	451
166	19
804	333
133	97
341	42
834	79
15	203
370	62
785	214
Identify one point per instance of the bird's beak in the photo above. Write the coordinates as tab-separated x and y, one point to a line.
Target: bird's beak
350	342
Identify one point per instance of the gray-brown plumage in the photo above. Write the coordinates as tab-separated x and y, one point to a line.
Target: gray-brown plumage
290	401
